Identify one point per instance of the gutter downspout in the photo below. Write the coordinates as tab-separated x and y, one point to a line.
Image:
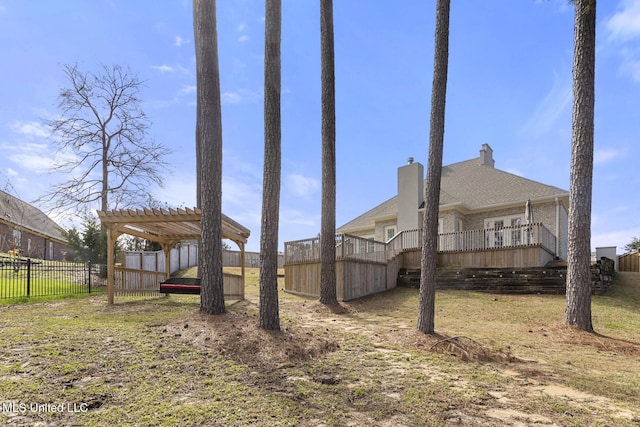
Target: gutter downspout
557	227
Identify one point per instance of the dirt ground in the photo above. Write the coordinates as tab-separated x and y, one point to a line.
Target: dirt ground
501	361
235	335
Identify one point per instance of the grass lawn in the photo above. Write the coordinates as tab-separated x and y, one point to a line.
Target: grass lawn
496	360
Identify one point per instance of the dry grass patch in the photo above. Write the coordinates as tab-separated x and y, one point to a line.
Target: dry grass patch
496	360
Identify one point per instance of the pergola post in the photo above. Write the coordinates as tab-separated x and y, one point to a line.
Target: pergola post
242	264
166	248
112	236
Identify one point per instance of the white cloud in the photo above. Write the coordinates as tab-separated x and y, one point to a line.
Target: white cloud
297	217
551	108
241	27
618	238
178	41
242	201
604	155
2	8
231	98
179	190
243	38
514	171
163	68
183	95
630	63
11	172
240	96
625	24
300	185
624	33
187	89
39	163
30	129
237	193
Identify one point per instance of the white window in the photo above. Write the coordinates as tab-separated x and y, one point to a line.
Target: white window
516	231
389	232
365	246
17	238
504	231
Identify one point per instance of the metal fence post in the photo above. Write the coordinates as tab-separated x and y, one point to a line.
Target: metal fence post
89	281
28	276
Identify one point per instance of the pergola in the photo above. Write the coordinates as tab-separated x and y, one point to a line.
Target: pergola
165	226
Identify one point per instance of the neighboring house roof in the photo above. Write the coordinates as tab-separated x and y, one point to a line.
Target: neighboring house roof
470	186
26	217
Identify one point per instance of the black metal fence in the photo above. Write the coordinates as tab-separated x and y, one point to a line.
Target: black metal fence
27	277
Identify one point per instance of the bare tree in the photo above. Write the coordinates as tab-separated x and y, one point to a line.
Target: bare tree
269	316
209	143
578	310
328	222
103	147
429	256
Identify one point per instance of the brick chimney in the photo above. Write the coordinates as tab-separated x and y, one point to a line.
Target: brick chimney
410	195
486	156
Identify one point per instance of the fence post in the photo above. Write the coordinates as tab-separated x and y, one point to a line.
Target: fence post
28	277
89	281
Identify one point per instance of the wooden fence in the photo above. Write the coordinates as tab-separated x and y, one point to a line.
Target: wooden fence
183	256
354	278
134	282
629	262
251	259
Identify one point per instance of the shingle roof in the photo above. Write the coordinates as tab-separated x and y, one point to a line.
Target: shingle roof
473	187
477	186
28	217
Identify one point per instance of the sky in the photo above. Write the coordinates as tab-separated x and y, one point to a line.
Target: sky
509	85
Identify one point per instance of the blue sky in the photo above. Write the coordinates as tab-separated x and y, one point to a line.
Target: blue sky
509	86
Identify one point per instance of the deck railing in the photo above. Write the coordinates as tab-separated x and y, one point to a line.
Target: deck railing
502	237
354	247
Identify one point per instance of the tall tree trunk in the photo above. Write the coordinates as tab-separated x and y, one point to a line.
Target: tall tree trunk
578	311
269	317
104	195
209	122
198	161
429	257
328	222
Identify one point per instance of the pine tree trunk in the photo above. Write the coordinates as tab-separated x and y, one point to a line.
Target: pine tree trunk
209	122
578	311
328	222
429	258
269	317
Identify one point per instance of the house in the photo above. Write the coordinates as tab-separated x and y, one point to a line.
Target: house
26	230
491	223
478	202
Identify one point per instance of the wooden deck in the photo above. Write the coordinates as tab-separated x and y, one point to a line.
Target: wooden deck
365	267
